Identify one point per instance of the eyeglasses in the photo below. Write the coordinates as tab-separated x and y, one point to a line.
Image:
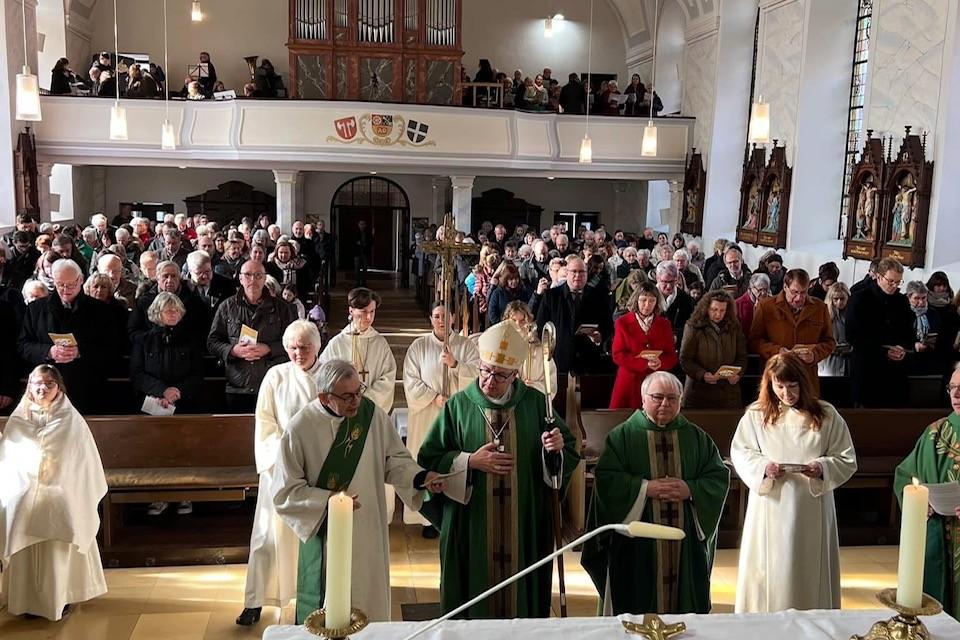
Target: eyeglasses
253	276
659	398
895	283
42	383
350	398
953	389
499	377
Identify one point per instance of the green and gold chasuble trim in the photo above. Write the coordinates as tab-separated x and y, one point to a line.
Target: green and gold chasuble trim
502	506
663	447
337	472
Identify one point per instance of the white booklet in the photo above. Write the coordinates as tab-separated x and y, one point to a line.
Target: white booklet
944	497
152	406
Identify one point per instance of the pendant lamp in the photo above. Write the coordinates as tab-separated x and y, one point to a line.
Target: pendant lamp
586	150
118	114
648	146
586	145
196	15
548	28
28	86
167	138
759	122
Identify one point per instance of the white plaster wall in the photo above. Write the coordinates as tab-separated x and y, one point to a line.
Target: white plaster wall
61	190
907	47
699	88
671	41
50	23
780	60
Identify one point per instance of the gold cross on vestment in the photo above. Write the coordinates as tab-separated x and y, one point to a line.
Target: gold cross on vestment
654	628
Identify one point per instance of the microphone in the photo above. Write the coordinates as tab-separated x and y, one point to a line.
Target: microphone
633	529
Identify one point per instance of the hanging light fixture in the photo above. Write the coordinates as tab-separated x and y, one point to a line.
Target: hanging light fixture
759	131
648	147
167	139
28	86
196	15
548	28
118	114
586	145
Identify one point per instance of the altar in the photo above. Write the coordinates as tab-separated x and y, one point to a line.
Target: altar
786	625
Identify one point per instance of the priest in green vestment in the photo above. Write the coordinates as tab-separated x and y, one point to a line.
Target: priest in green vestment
656	467
936	458
496	515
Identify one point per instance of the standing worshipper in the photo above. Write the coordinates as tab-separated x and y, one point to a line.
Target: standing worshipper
51	483
656	467
497	512
790	552
343	442
362	253
934	460
713	340
532	373
287	388
428	361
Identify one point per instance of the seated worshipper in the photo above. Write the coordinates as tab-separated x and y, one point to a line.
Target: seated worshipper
211	287
758	290
342	442
495	438
268	83
934	460
656	467
793	322
642	343
197	318
247	335
140	84
33	290
734	278
111	265
285	390
828	274
66	328
532	371
880	330
51	483
289	268
713	354
927	357
428	361
510	289
791	450
677	303
837	364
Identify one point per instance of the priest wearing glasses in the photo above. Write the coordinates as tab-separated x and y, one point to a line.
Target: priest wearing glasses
496	512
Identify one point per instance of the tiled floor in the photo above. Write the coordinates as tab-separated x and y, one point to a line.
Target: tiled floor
198	603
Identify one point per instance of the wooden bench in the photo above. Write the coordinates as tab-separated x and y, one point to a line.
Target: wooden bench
866	505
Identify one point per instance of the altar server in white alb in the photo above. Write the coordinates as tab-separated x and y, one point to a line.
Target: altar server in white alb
791	450
532	371
51	481
369	353
286	388
341	441
428	361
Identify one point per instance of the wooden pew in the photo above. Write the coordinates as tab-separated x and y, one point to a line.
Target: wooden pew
866	506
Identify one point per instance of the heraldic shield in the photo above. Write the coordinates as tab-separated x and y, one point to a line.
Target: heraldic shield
417	131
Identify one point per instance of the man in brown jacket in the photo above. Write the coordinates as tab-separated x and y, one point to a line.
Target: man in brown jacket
793	321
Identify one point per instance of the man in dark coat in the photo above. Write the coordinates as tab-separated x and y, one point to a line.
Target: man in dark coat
679	303
880	330
197	317
211	287
572	95
68	310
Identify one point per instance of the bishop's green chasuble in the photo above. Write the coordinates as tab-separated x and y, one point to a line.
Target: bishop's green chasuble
335	475
936	458
507	523
656	576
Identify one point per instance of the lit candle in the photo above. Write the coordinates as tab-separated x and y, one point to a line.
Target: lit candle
336	600
913	543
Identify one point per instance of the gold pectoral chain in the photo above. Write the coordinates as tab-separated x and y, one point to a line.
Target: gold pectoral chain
496	434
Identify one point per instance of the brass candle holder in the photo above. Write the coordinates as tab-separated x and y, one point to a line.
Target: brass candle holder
316	623
906	625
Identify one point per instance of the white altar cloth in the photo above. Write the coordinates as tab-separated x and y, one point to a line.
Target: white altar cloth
786	625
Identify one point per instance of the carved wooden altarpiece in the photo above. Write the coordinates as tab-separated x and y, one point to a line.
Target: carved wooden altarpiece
27	192
694	190
866	197
907	188
750	186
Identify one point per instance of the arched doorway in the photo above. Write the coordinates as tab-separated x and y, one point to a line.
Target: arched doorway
385	207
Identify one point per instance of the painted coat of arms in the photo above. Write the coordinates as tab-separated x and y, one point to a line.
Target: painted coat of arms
382	130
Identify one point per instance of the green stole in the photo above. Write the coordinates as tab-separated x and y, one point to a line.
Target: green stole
336	473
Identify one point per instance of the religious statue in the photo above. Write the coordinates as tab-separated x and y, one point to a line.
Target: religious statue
753	207
691	206
866	210
773	208
904	213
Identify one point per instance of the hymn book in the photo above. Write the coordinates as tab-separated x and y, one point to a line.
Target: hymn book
63	339
248	335
728	371
649	354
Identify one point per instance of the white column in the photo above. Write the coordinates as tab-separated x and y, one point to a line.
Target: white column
289	205
462	201
440	196
731	107
676	204
44	170
99	188
658	203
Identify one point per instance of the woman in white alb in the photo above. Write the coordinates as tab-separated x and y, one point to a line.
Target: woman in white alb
424	367
51	482
791	450
286	388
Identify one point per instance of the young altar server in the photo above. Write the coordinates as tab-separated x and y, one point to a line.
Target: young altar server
342	441
428	361
933	460
656	467
497	511
286	388
532	371
51	481
791	450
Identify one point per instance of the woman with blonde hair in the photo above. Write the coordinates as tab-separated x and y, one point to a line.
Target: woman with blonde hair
791	450
838	362
532	370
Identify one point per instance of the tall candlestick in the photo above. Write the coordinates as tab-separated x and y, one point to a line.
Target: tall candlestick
336	598
913	543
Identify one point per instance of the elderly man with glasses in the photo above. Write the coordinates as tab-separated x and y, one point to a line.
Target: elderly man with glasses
933	460
656	467
343	442
494	439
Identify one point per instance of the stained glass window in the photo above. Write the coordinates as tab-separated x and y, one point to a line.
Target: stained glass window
858	88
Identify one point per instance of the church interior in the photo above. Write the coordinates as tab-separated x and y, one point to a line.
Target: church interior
640	192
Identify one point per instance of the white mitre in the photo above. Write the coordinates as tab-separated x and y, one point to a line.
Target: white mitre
502	346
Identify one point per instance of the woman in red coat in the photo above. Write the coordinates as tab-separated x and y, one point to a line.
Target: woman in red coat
643	328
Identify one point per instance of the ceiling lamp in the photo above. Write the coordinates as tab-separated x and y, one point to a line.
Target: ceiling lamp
559	17
548	28
759	132
586	150
167	139
648	146
118	114
28	86
196	15
586	145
